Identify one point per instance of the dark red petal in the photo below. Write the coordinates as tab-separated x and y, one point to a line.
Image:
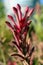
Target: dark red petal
19	11
16	27
22	22
32	50
15	9
19	6
25	33
16	38
10	17
10	26
16	12
27	23
17	46
17	31
18	55
17	16
26	12
30	12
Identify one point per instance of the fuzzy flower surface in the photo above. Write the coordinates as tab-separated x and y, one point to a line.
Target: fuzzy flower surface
20	29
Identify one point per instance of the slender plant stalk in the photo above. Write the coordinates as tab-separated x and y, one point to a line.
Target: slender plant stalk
25	63
2	55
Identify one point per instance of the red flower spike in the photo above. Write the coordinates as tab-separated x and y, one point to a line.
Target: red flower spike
19	31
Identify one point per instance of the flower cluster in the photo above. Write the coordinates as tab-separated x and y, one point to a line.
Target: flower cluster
20	29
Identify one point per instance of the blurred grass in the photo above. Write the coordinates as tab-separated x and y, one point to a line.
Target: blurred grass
38	25
5	38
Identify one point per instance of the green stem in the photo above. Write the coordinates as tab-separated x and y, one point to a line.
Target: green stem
3	57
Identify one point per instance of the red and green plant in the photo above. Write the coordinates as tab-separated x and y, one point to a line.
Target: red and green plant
20	30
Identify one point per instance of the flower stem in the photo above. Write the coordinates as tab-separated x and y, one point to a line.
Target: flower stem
2	55
25	63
